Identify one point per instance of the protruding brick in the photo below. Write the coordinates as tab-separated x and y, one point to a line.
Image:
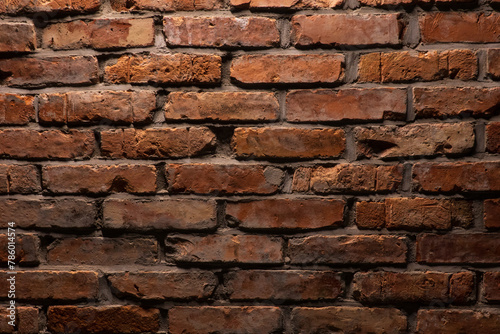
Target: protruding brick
275	143
329	30
283	285
221	31
457	177
491	286
40	72
450	321
346	319
166	6
50	6
281	69
16	109
102	319
477	248
249	249
492	213
103	251
27	248
100	178
175	68
22	179
224	319
27	320
164	285
97	106
393	141
360	249
159	214
224	179
494	63
493	137
324	105
285	4
17	36
288	214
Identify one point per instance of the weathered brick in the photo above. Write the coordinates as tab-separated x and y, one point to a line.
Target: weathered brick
383	287
410	3
450	321
16	109
175	68
491	286
17	36
283	285
492	213
223	179
159	214
360	249
476	248
281	69
273	143
56	213
27	320
46	144
166	6
157	143
286	4
460	27
99	34
100	178
393	141
287	214
346	319
89	107
222	106
164	285
27	248
493	137
224	319
19	179
370	215
221	31
102	319
387	3
456	177
324	105
50	6
64	285
446	102
249	249
103	251
408	66
40	72
329	30
494	63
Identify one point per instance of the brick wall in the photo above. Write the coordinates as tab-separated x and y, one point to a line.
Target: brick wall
251	166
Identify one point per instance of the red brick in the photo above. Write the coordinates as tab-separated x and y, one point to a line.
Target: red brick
494	63
446	102
19	179
460	27
384	287
102	319
348	178
285	4
221	31
100	178
53	213
224	319
408	66
99	34
281	69
27	248
492	213
287	214
410	3
16	109
159	214
46	144
457	177
393	141
50	6
370	215
491	286
103	251
249	249
324	105
283	285
27	319
157	143
477	248
348	249
329	30
272	143
88	107
166	6
493	137
64	285
175	68
346	319
17	36
387	3
222	106
40	72
452	321
224	179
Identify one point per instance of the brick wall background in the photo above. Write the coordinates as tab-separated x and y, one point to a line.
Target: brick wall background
251	166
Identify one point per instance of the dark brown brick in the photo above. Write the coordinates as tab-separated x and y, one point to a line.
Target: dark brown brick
27	248
17	36
492	213
493	137
166	6
452	321
19	179
494	63
491	286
